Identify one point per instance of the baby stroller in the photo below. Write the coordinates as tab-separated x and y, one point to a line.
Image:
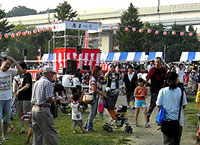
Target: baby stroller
118	116
61	100
121	120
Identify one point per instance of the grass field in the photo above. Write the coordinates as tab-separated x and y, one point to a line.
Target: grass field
117	137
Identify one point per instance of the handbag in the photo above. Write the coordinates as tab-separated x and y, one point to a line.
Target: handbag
160	116
89	98
172	127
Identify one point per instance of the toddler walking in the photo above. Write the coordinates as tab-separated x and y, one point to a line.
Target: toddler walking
77	119
140	94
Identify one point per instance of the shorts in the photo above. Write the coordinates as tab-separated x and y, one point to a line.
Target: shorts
140	103
129	96
5	108
77	122
23	106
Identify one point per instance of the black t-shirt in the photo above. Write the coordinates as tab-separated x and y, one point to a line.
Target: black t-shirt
25	95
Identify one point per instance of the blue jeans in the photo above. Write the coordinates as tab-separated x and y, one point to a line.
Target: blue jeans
5	108
93	111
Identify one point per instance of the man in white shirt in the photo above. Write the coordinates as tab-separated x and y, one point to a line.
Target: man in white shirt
6	74
180	72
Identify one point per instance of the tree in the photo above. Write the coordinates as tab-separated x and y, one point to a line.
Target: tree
31	43
129	41
21	11
4	28
64	12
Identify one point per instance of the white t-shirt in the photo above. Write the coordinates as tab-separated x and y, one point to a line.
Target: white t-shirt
6	84
76	114
66	80
170	100
76	81
180	75
130	76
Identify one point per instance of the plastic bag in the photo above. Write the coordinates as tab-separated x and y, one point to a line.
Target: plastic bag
160	116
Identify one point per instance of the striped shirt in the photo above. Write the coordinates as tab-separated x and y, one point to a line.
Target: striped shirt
42	90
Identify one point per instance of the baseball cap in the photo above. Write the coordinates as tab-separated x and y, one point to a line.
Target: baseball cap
48	69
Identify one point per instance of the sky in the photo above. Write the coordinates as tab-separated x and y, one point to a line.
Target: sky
41	5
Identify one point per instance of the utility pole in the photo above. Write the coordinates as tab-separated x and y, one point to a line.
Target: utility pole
158	11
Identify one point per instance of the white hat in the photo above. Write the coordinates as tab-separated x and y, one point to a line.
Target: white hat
193	71
48	69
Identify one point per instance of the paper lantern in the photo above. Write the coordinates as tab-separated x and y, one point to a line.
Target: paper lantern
29	32
149	31
165	33
173	33
156	32
0	36
39	30
199	35
182	33
35	31
49	28
111	27
126	29
190	34
133	29
13	35
140	30
44	29
24	33
117	28
6	35
19	33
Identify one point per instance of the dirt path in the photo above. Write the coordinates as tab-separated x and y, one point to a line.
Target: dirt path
152	136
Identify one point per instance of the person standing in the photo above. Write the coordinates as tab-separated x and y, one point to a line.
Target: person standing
23	94
42	119
170	98
130	81
157	76
113	84
6	74
180	72
94	89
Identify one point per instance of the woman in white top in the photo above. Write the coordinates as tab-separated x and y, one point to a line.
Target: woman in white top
169	98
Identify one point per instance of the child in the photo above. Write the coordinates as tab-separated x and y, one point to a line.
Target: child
76	113
140	94
198	97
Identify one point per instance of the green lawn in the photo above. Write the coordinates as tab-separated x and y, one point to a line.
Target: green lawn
66	137
101	137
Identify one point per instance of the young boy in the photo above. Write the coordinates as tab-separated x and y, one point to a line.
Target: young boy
76	113
140	94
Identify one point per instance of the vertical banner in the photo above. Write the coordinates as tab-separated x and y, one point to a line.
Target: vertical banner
68	56
86	39
86	58
91	60
60	59
74	55
98	59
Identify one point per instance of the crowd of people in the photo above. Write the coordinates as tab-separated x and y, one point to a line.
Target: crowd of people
164	80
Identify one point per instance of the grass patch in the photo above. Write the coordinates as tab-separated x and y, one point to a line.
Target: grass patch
66	137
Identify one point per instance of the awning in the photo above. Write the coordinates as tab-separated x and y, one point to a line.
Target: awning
190	56
129	56
45	57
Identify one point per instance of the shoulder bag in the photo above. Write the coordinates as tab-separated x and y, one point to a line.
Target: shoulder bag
172	127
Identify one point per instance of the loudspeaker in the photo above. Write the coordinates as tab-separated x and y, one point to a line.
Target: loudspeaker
71	65
78	49
86	67
25	52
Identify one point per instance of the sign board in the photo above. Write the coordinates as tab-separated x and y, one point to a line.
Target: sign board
82	25
58	27
75	25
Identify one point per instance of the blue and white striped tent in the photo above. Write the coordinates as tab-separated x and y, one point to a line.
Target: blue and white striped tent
129	56
190	56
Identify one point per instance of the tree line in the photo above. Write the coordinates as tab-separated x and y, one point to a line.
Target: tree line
124	41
